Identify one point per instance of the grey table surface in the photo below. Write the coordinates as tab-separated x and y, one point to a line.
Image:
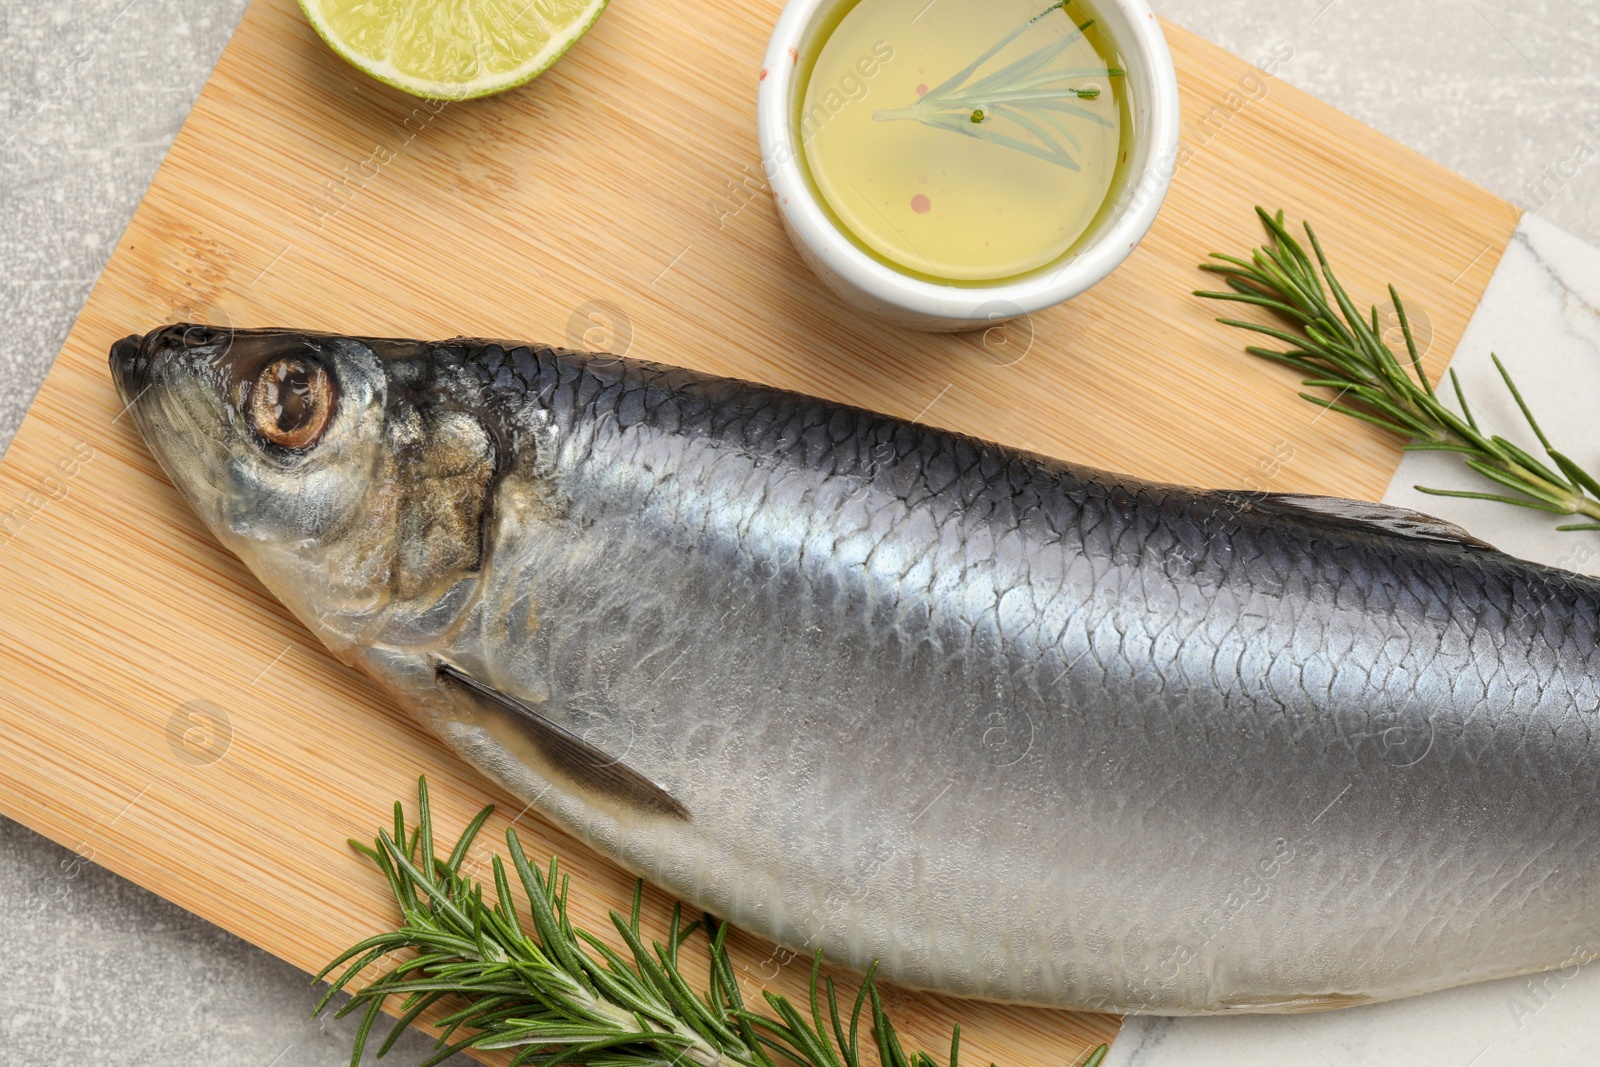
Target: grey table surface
92	93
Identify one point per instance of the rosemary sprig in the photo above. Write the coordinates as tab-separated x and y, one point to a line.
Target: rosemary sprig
1033	99
1339	348
558	994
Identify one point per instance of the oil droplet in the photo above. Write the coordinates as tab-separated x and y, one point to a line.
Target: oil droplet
922	88
920	204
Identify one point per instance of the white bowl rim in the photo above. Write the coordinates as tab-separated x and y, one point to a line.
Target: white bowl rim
810	223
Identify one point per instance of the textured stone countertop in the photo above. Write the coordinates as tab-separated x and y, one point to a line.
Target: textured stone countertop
91	94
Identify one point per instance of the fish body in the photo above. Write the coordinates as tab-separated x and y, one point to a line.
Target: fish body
1014	728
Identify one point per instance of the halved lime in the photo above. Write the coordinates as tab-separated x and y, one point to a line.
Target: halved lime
452	49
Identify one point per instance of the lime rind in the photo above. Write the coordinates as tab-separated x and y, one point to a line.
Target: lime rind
481	83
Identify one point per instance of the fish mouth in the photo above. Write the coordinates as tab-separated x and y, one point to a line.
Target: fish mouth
129	367
133	358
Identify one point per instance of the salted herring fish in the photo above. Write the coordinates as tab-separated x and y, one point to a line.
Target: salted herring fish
1015	728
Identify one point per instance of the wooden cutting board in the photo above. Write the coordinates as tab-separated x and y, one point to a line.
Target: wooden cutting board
162	716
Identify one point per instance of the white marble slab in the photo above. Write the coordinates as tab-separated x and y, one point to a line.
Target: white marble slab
1541	315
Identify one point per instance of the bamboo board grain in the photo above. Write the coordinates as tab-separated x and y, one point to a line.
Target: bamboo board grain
301	193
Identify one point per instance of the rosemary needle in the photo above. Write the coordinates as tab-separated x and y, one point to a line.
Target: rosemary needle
1341	349
1027	94
558	994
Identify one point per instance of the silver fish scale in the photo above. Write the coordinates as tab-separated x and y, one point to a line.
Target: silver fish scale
1031	731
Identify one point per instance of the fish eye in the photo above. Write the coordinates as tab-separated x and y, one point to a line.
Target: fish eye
291	402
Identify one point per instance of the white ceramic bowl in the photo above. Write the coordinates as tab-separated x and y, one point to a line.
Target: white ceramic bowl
899	298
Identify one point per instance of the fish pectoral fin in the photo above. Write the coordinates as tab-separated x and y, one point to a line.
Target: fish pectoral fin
1363	515
586	765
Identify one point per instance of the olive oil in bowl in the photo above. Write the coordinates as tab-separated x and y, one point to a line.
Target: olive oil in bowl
965	141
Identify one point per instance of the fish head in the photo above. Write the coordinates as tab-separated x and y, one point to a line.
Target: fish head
355	495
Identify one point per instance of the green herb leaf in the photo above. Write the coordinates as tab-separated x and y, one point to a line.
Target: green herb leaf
1026	93
1339	349
558	994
